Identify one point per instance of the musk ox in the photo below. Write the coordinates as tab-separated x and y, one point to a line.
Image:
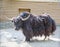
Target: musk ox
34	25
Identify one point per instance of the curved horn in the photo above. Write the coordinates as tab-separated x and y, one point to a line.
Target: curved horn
10	18
25	18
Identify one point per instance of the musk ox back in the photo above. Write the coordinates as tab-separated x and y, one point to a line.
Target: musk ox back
34	25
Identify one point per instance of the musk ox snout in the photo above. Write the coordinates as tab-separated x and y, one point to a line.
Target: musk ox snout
17	23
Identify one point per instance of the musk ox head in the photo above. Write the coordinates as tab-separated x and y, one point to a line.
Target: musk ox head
18	21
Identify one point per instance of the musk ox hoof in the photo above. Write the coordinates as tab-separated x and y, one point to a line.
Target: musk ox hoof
27	39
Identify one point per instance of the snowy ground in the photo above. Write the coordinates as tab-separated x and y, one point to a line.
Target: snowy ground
11	38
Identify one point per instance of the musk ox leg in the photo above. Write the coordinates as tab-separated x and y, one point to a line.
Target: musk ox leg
45	37
28	35
47	34
27	39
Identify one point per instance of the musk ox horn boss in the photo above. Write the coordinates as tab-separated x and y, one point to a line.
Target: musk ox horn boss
34	25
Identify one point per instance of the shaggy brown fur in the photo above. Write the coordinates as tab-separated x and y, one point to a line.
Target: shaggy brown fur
49	24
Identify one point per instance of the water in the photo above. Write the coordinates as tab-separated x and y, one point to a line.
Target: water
11	38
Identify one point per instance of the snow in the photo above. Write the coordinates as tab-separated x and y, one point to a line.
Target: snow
11	34
12	38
